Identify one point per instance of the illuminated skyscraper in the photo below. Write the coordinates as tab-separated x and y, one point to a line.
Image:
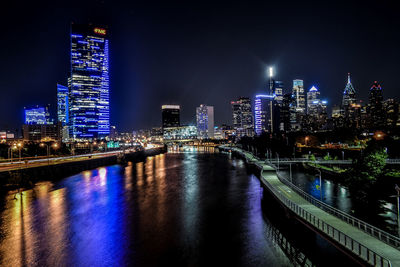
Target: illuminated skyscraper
312	100
170	116
349	94
266	114
375	107
89	106
62	104
242	117
205	121
299	96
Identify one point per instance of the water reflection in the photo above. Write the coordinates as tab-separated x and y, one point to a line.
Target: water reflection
332	193
185	209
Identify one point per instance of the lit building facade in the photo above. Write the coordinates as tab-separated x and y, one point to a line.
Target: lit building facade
299	96
266	114
375	107
180	133
349	94
205	121
37	115
391	107
242	117
89	105
62	104
170	116
312	100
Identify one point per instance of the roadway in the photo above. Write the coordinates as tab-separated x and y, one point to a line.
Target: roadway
32	162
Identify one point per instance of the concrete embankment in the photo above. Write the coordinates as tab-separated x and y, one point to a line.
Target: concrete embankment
25	177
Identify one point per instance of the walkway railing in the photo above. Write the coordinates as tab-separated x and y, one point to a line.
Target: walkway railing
385	237
357	248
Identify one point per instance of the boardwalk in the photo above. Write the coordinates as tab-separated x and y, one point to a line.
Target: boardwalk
360	244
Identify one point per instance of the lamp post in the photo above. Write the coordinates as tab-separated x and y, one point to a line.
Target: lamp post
320	184
398	208
19	145
48	152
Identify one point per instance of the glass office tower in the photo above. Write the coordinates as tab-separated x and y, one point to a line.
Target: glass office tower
89	106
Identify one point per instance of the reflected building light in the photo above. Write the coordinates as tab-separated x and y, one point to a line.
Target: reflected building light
103	176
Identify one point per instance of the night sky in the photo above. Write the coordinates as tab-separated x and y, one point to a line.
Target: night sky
196	52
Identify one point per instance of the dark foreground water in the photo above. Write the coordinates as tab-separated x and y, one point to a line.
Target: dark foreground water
182	209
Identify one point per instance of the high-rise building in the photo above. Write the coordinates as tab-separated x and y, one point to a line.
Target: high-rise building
285	112
278	91
62	104
349	94
242	117
205	121
266	114
375	107
170	116
391	107
312	100
37	115
299	96
89	106
350	108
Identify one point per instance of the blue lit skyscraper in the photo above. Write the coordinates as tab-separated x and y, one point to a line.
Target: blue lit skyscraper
205	121
62	104
89	111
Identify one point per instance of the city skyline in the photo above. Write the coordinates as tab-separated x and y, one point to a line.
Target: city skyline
239	70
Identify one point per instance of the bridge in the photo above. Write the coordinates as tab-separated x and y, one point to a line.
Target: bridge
359	240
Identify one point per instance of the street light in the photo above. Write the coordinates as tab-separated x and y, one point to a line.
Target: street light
320	184
19	145
398	208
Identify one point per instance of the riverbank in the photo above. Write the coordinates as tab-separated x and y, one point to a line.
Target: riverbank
26	177
354	237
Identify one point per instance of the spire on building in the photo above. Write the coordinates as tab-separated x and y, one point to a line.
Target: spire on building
349	89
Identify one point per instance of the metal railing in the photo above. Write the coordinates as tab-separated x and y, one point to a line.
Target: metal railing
355	247
363	226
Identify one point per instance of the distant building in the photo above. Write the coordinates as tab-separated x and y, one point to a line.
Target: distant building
62	104
224	132
113	132
170	116
180	133
312	100
242	117
42	132
278	91
337	117
285	111
350	108
299	96
375	107
37	115
205	121
391	108
266	114
349	94
89	104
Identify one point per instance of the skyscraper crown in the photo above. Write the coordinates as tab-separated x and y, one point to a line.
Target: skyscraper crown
349	89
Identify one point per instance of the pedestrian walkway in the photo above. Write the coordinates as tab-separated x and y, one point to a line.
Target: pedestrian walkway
350	238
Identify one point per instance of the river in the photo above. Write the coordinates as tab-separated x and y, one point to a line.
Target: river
196	208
